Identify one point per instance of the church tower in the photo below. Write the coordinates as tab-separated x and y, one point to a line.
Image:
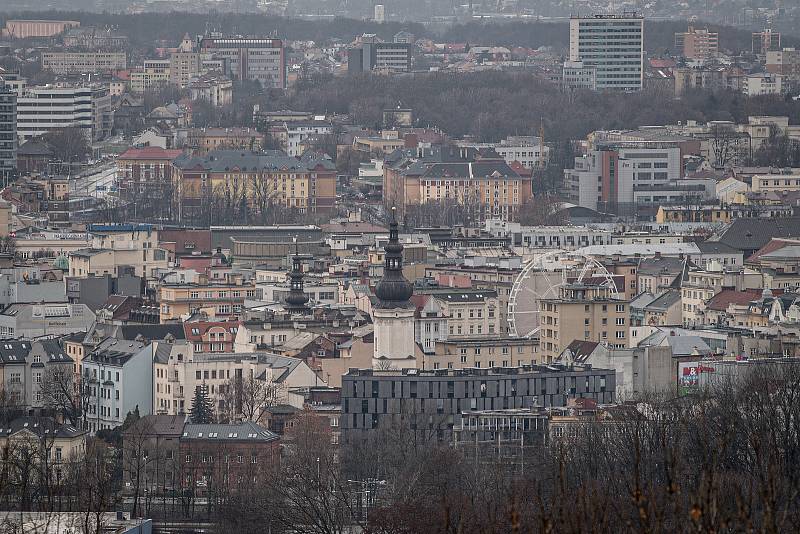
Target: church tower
297	300
393	315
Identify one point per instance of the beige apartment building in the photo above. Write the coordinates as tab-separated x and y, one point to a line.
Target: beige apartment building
152	73
701	286
483	351
586	313
114	248
763	183
184	63
178	374
83	62
697	43
497	277
469	312
219	300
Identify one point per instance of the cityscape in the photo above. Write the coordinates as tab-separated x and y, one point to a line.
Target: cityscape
348	267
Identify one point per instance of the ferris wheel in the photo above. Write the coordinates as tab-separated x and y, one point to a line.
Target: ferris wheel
543	277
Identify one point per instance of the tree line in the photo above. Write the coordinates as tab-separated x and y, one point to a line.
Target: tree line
145	29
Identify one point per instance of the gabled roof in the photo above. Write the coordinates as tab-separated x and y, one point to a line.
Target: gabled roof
12	351
726	297
665	301
243	161
194	331
716	247
34	147
772	246
246	431
54	351
158	425
150	153
580	350
661	265
43	427
752	233
151	332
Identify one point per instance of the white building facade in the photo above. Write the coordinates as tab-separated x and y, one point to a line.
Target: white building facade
613	45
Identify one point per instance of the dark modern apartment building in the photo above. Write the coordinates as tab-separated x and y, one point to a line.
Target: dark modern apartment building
8	132
432	401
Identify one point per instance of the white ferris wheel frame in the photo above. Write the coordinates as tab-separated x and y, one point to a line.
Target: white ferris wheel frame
551	262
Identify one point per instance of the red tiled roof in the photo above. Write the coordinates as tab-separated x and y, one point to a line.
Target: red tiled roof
419	302
773	245
726	297
150	152
662	63
205	326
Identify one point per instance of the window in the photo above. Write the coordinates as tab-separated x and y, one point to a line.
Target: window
620	334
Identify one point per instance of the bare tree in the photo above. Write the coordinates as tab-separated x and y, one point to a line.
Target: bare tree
249	397
724	140
65	393
136	458
542	210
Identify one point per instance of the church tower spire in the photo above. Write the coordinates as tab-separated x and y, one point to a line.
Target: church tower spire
393	290
297	299
393	316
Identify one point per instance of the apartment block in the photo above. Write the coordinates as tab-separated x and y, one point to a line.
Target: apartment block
374	54
765	83
765	41
83	62
249	58
145	171
785	62
528	151
622	176
116	249
578	75
8	132
41	109
184	63
482	352
613	45
118	378
586	313
204	140
178	373
697	43
431	402
220	300
24	29
307	185
152	73
487	185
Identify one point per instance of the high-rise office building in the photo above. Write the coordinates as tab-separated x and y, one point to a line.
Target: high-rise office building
249	58
8	132
374	54
44	108
613	45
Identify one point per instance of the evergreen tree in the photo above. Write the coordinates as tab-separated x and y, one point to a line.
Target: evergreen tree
202	411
